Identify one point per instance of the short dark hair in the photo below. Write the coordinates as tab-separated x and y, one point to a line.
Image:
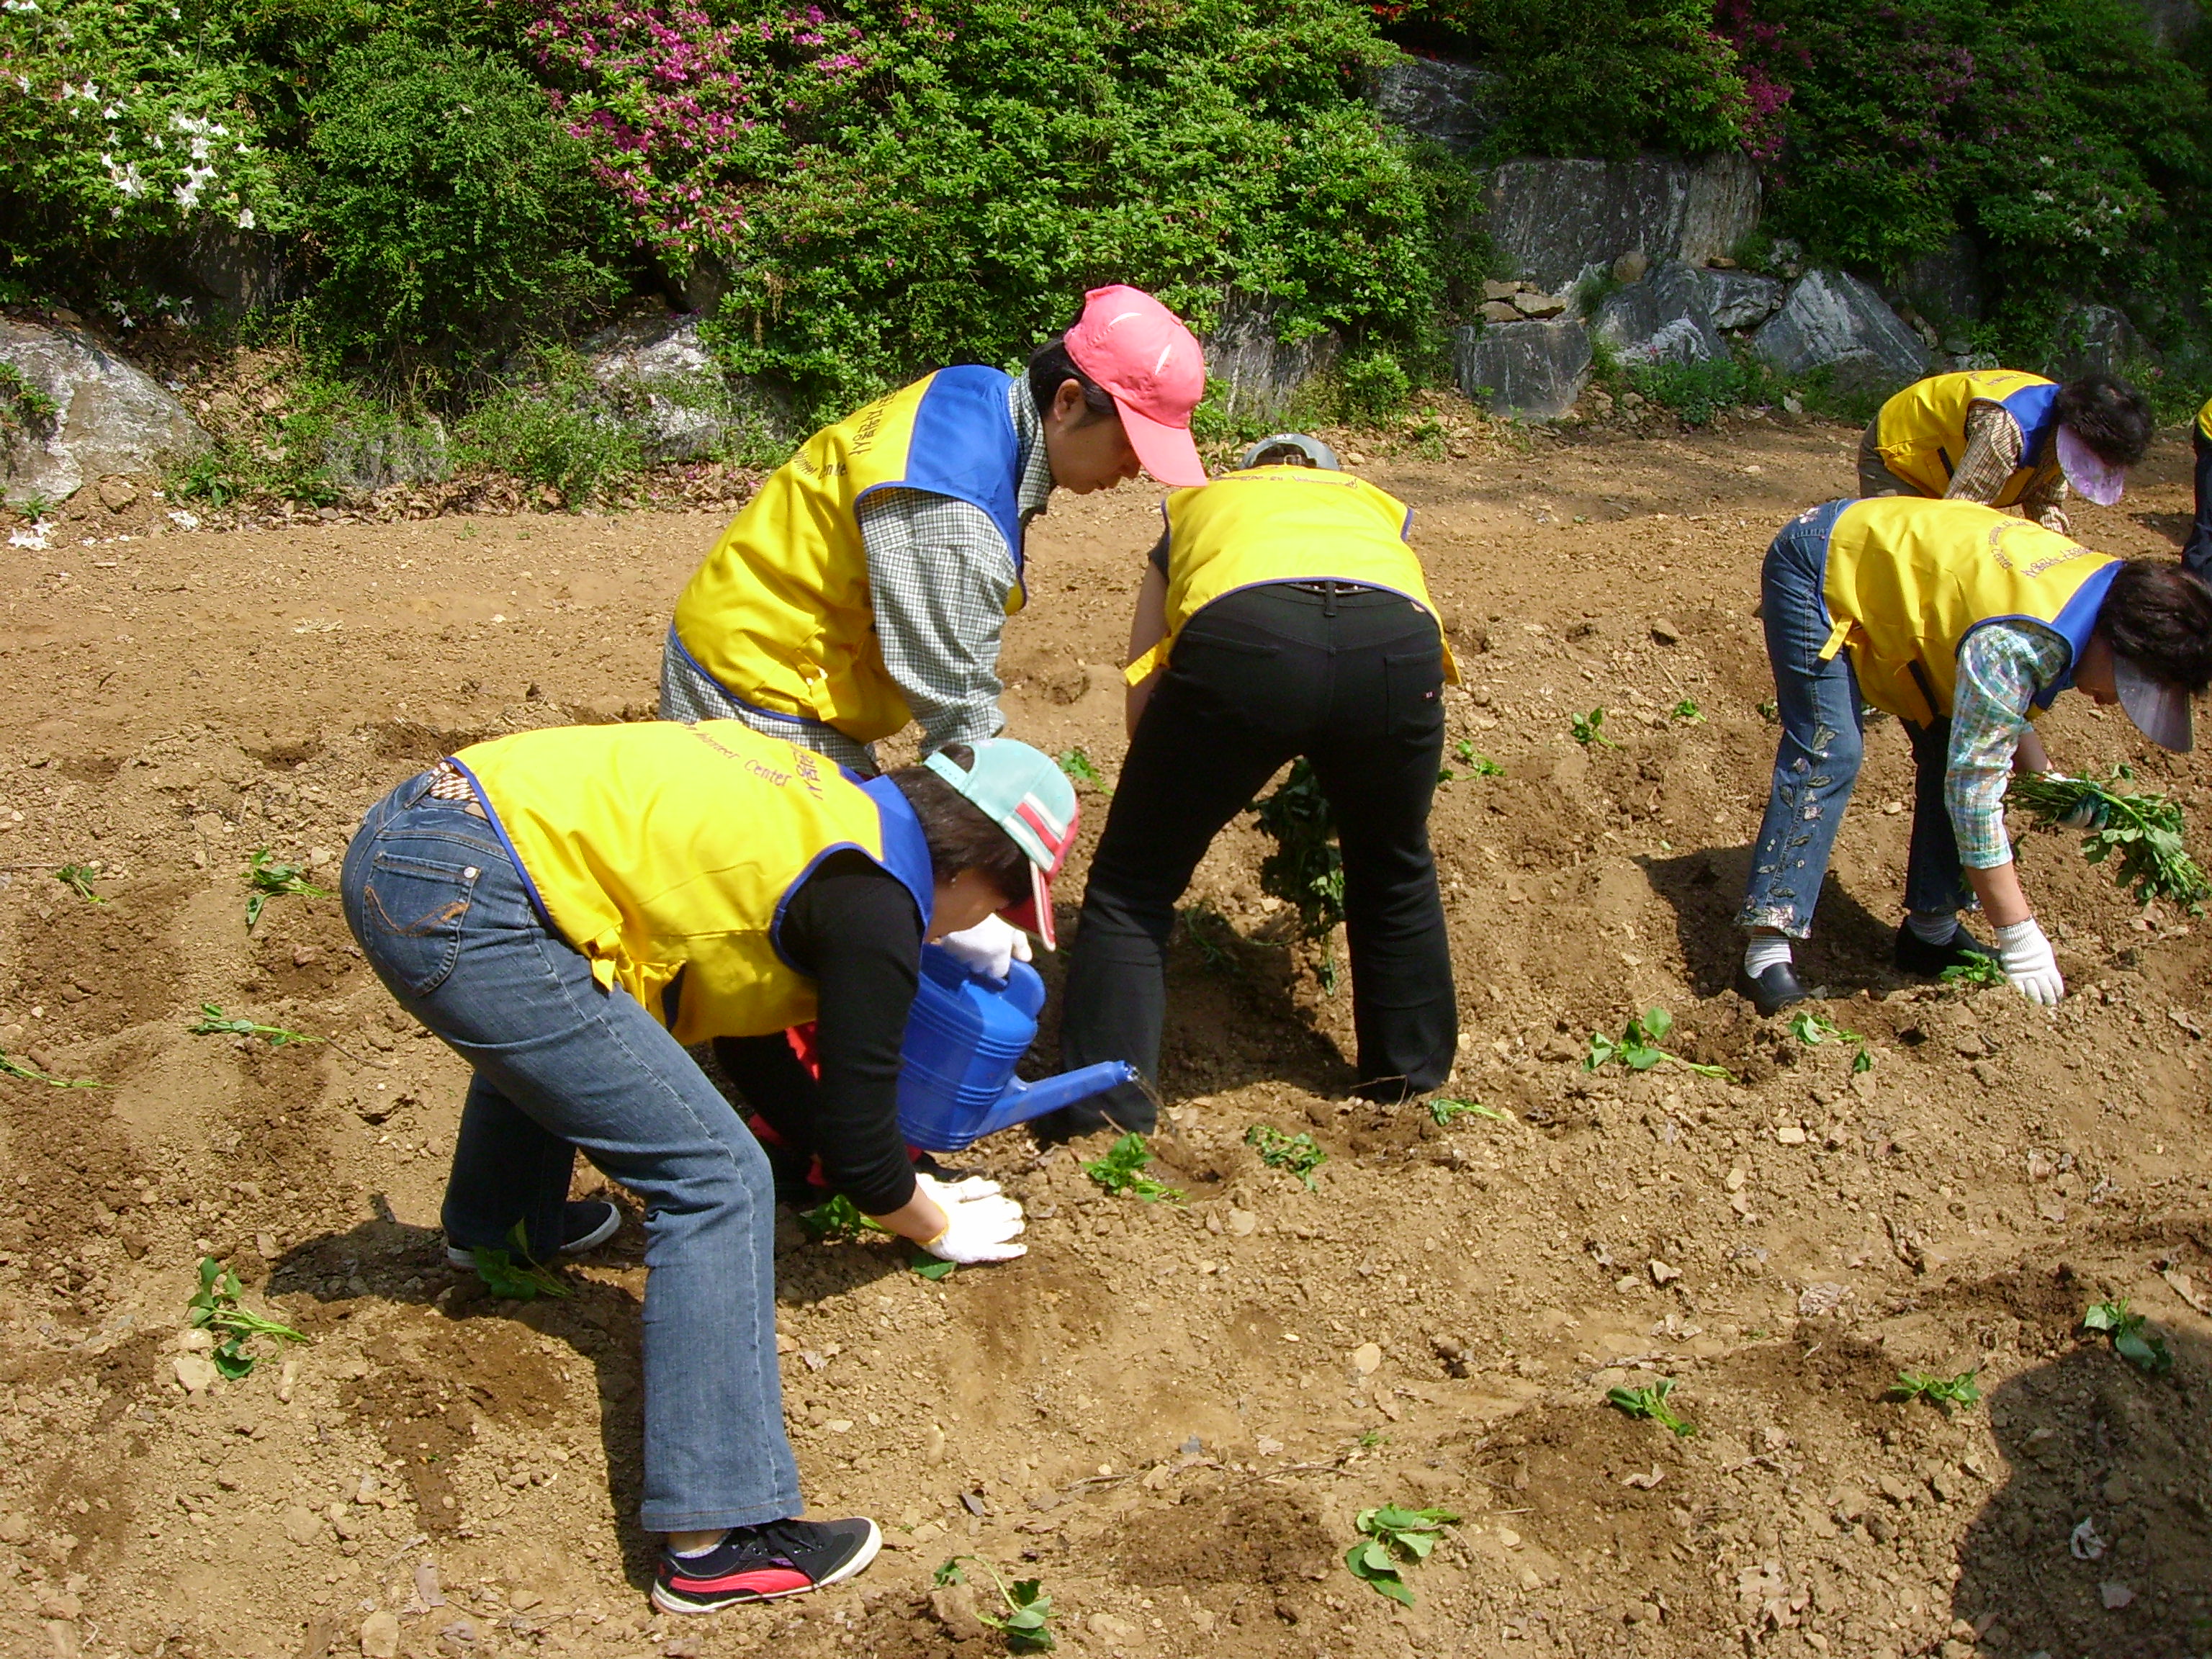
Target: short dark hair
1051	368
960	834
2109	415
2159	617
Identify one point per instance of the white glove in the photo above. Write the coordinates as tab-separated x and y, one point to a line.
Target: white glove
991	947
982	1222
2025	956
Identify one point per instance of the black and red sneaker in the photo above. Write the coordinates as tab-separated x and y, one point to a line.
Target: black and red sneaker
765	1563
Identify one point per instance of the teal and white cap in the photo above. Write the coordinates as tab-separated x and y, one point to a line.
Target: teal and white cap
1028	796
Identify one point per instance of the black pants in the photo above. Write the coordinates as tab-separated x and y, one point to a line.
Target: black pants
2197	552
1352	681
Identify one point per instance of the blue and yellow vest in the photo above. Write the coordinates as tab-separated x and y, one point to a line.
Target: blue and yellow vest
779	615
1923	430
659	849
1283	524
1909	579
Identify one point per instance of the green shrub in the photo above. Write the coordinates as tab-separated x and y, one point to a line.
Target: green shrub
451	216
550	430
1376	386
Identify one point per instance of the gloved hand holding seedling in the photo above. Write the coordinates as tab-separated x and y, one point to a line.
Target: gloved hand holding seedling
2139	833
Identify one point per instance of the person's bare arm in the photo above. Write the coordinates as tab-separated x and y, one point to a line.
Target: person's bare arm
1147	630
2003	900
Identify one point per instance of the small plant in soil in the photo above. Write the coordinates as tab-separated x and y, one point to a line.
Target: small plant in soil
509	1274
1391	1539
1123	1171
1976	974
2140	834
1306	869
1078	766
839	1218
1296	1154
1812	1030
1587	729
1769	711
1688	712
1209	930
1027	1622
78	878
2132	1339
1650	1402
1637	1045
1447	1109
10	1067
214	1309
928	1267
1947	1392
267	879
213	1022
1478	766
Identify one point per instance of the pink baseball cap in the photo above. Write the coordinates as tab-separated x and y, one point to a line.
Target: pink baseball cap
2097	478
1141	354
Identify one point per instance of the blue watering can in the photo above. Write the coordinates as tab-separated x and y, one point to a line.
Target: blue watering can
956	1081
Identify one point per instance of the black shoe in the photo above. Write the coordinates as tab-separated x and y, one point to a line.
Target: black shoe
1915	955
765	1563
586	1222
1775	989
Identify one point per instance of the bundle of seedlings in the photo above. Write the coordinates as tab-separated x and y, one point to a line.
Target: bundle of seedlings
2139	833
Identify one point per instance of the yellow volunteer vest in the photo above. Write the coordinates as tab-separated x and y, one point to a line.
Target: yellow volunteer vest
2204	421
1923	430
1283	524
779	615
1908	579
657	848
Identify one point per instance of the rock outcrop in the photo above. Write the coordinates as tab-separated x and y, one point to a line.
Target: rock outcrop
1557	220
1832	320
1259	373
658	379
1527	370
1432	98
109	418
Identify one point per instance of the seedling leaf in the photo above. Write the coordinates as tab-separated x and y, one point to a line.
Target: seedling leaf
78	878
2131	1338
1974	974
1123	1171
267	879
213	1022
928	1267
1587	729
837	1217
1446	1110
1650	1402
2140	834
10	1067
215	1308
1688	712
1078	766
509	1274
1026	1622
1296	1154
1943	1391
1637	1046
1393	1535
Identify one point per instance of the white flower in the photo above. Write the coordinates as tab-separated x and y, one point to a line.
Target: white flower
246	219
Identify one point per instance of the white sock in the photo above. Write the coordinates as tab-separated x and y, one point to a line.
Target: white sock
1764	950
1937	929
706	1549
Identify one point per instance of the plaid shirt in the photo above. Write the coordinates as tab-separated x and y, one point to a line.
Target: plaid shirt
1994	445
2002	668
939	573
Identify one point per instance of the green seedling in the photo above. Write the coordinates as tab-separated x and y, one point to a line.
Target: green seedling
1687	712
1478	766
1770	710
1651	1401
213	1022
1587	729
1447	1109
1812	1030
1637	1045
214	1309
837	1218
10	1067
509	1274
928	1267
1391	1538
1123	1171
1295	1153
2132	1340
2140	836
1306	869
1944	1391
1210	931
268	879
78	878
1026	1623
1078	765
1977	973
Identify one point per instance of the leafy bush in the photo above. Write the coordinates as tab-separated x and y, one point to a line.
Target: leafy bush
452	216
550	430
902	187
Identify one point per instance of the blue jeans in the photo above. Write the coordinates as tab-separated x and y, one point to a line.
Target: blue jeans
560	1064
1823	742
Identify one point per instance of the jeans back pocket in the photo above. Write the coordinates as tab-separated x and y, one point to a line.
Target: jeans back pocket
409	914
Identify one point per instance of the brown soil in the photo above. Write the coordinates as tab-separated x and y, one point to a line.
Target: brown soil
1171	1414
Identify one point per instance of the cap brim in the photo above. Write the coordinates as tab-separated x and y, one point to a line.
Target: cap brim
1034	914
2094	477
2161	713
1167	451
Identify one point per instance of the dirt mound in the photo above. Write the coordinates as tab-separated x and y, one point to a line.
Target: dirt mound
1171	1414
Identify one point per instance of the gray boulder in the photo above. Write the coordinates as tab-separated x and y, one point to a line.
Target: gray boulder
1945	286
246	271
655	376
1832	320
1447	103
1556	219
109	416
1737	299
1531	371
2095	340
1259	373
1665	318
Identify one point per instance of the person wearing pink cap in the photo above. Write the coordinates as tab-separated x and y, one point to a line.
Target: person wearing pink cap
2005	438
